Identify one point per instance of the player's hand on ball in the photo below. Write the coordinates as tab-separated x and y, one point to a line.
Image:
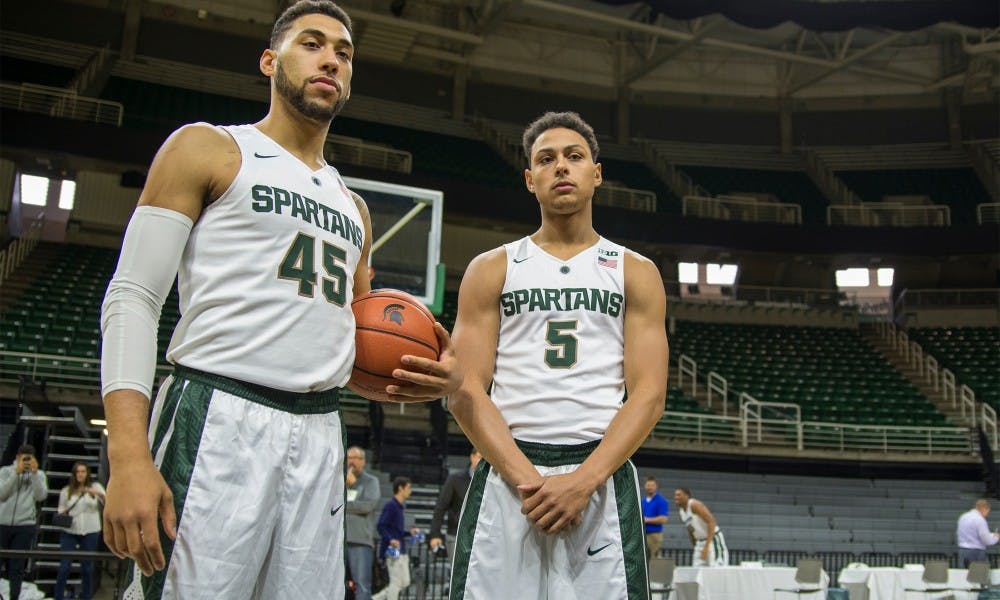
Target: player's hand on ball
137	495
428	379
556	502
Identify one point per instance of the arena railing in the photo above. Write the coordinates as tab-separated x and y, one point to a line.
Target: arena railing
769	425
780	424
960	396
946	298
888	215
619	196
14	254
343	149
988	213
740	208
60	103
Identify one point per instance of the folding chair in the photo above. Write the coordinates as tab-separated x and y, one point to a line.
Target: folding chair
808	576
935	579
661	577
978	576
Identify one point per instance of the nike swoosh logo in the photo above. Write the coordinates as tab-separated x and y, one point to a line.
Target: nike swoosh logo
265	155
593	552
522	260
334	511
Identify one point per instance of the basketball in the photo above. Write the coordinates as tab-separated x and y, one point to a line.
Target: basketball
389	323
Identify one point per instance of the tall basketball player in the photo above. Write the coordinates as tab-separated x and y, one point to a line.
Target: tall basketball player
562	322
244	459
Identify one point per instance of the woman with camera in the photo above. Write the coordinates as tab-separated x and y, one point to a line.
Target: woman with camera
81	500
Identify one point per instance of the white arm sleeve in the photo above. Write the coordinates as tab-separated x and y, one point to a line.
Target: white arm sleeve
130	315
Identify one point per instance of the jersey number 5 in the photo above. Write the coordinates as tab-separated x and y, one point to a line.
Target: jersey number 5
299	265
562	351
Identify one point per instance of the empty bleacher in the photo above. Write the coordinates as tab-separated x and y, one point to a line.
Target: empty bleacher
972	353
764	512
791	187
833	374
959	189
57	312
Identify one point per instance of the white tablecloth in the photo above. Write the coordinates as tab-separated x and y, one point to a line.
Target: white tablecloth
738	583
890	583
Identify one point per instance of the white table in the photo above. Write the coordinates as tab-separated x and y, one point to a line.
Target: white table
739	583
890	583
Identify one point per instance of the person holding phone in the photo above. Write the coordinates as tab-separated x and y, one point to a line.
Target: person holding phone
81	499
22	485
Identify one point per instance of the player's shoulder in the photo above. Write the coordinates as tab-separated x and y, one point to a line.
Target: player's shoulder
495	259
201	136
634	259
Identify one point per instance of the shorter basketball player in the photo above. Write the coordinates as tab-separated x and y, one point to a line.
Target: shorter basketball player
709	544
552	329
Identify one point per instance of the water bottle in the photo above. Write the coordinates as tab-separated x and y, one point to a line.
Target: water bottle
418	538
392	552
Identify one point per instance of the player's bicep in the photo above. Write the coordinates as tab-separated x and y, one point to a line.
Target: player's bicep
189	168
646	349
362	278
477	325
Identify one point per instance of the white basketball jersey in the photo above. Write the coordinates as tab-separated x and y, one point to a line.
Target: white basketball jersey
559	375
695	524
267	276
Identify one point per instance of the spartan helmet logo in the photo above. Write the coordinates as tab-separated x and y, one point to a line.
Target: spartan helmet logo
394	313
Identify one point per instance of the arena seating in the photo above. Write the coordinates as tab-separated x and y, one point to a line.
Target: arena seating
832	373
972	354
791	187
59	312
638	176
822	514
958	188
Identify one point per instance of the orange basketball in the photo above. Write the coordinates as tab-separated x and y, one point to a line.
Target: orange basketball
389	324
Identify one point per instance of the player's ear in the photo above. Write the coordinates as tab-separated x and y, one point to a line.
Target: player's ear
268	62
528	181
598	177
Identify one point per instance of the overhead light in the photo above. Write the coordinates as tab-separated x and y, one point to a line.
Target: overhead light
98	422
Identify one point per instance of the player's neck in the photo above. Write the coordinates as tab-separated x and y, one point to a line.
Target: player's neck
566	231
301	136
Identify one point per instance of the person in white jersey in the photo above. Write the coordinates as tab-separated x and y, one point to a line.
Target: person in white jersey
244	460
563	323
710	548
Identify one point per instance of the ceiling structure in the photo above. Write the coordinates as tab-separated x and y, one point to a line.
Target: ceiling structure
635	51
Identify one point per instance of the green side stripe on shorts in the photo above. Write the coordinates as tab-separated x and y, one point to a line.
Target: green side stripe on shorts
166	414
467	531
632	532
192	405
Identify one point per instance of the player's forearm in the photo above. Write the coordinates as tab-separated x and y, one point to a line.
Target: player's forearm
482	422
127	413
626	432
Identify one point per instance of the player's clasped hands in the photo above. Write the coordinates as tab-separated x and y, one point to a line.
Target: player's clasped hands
555	503
428	379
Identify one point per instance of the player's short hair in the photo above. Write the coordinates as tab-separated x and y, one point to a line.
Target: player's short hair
399	483
983	503
686	491
553	120
303	8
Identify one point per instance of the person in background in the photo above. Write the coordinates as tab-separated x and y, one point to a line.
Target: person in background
655	512
363	493
449	504
709	544
974	534
392	545
22	485
81	499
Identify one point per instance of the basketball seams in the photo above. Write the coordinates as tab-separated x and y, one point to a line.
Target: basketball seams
436	351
